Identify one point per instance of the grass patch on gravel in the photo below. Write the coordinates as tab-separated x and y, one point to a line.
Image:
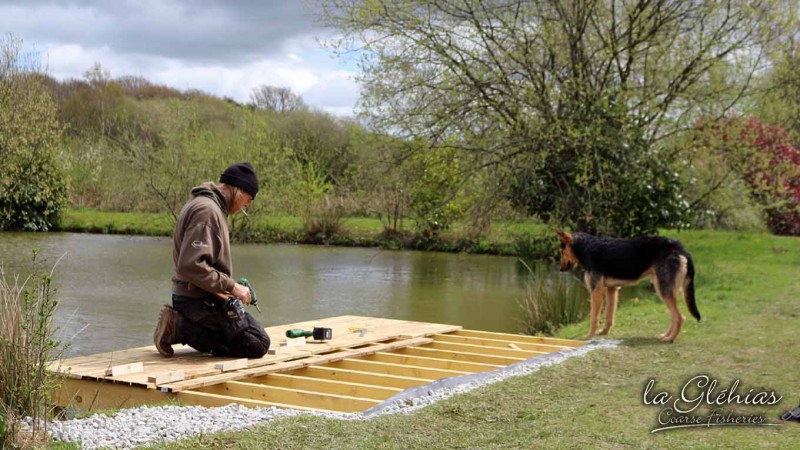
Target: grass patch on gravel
748	291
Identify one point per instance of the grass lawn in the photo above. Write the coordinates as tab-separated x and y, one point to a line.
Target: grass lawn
748	291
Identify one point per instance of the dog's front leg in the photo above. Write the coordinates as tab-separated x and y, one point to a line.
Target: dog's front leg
612	296
597	302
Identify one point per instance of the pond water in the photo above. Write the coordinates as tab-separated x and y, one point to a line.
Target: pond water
111	287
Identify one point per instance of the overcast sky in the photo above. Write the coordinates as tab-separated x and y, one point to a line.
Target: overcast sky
222	47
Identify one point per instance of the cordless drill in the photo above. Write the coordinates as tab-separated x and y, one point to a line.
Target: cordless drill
233	305
253	299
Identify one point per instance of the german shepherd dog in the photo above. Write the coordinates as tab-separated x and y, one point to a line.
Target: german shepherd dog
611	263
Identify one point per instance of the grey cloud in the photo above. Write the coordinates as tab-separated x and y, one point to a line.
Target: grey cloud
227	32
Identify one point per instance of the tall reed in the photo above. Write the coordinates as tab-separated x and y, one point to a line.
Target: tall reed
27	345
552	300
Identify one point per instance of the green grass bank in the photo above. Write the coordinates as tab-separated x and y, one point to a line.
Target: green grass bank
748	291
503	237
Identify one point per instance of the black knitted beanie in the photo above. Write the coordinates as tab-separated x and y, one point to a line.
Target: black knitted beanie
241	175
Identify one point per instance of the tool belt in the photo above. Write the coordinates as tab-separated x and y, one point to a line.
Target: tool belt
214	314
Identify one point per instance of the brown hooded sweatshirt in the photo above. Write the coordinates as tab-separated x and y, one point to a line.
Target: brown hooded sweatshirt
202	251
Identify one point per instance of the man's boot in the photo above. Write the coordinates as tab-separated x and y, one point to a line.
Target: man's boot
166	331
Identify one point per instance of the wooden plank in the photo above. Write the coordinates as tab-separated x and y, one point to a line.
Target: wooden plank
212	400
427	329
294	364
191	367
499	343
520	338
88	395
395	358
459	356
125	369
236	364
295	342
326	386
164	378
480	349
308	399
354	376
395	369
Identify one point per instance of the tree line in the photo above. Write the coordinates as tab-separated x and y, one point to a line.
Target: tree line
614	117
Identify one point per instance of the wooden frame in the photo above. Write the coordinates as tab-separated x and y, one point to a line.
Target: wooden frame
353	373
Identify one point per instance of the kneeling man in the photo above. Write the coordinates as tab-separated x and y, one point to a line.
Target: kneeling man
201	315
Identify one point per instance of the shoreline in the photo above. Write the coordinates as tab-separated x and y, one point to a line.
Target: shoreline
523	239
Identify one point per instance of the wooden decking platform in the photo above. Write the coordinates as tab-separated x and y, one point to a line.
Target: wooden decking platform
368	361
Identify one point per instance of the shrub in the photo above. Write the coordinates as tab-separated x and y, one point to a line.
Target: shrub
552	300
774	175
27	345
323	223
763	157
32	185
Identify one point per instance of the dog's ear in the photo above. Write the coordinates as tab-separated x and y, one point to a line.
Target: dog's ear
564	236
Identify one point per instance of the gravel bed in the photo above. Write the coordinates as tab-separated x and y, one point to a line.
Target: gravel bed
145	425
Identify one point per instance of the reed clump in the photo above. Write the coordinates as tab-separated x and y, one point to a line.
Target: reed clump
323	223
552	300
27	345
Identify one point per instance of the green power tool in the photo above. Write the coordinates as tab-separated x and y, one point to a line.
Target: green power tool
318	333
253	299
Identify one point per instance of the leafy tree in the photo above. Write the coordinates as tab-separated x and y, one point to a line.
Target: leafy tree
576	97
778	101
32	184
316	138
435	180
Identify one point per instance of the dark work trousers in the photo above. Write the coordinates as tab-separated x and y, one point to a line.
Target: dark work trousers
204	325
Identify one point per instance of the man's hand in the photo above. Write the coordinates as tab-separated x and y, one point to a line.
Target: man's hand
241	292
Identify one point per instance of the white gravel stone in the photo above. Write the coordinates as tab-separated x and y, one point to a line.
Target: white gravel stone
130	428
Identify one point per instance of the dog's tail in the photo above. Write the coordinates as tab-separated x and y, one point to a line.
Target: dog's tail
688	287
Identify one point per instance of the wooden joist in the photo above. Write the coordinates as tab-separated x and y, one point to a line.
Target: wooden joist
483	350
458	356
395	369
274	394
375	392
508	337
355	376
499	343
422	361
211	400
